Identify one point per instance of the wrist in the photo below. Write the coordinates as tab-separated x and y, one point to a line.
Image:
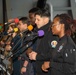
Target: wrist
25	66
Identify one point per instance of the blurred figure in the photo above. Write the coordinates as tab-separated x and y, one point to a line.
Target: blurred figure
73	31
32	16
26	66
12	32
7	45
32	20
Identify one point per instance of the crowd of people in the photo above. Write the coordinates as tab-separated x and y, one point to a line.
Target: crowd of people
54	53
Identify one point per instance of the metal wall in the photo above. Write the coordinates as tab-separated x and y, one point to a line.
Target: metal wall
16	8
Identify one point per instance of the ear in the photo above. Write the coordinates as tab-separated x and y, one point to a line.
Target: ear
25	24
62	26
45	19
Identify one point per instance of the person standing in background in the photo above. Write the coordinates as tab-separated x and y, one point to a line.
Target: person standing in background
32	21
26	66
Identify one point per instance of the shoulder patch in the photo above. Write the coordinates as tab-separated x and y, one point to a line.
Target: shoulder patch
54	43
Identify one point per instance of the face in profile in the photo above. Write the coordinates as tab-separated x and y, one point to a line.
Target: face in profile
32	18
22	26
40	21
56	26
10	29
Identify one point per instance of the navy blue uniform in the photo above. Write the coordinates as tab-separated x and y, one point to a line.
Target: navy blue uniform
16	62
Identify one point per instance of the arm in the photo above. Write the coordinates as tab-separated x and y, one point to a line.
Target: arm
46	66
40	57
24	68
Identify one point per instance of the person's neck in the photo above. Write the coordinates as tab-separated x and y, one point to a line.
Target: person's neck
47	21
61	34
24	30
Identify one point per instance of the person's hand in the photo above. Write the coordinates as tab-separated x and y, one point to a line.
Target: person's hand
29	50
32	55
46	66
8	48
2	43
23	70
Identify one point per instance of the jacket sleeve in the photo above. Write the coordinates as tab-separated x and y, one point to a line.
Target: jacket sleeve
44	57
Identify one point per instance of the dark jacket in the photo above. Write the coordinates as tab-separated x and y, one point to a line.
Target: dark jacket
29	67
43	47
63	57
16	63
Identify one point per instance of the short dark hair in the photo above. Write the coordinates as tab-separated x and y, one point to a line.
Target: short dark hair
43	13
24	20
33	10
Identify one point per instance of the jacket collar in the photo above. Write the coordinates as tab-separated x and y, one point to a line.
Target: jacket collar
45	27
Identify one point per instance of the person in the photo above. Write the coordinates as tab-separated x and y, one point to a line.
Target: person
26	66
10	46
73	30
64	53
32	15
32	21
43	43
63	56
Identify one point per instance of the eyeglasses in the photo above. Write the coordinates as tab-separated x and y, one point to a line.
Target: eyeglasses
54	25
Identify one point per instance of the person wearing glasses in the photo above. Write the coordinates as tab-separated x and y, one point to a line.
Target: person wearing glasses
63	56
